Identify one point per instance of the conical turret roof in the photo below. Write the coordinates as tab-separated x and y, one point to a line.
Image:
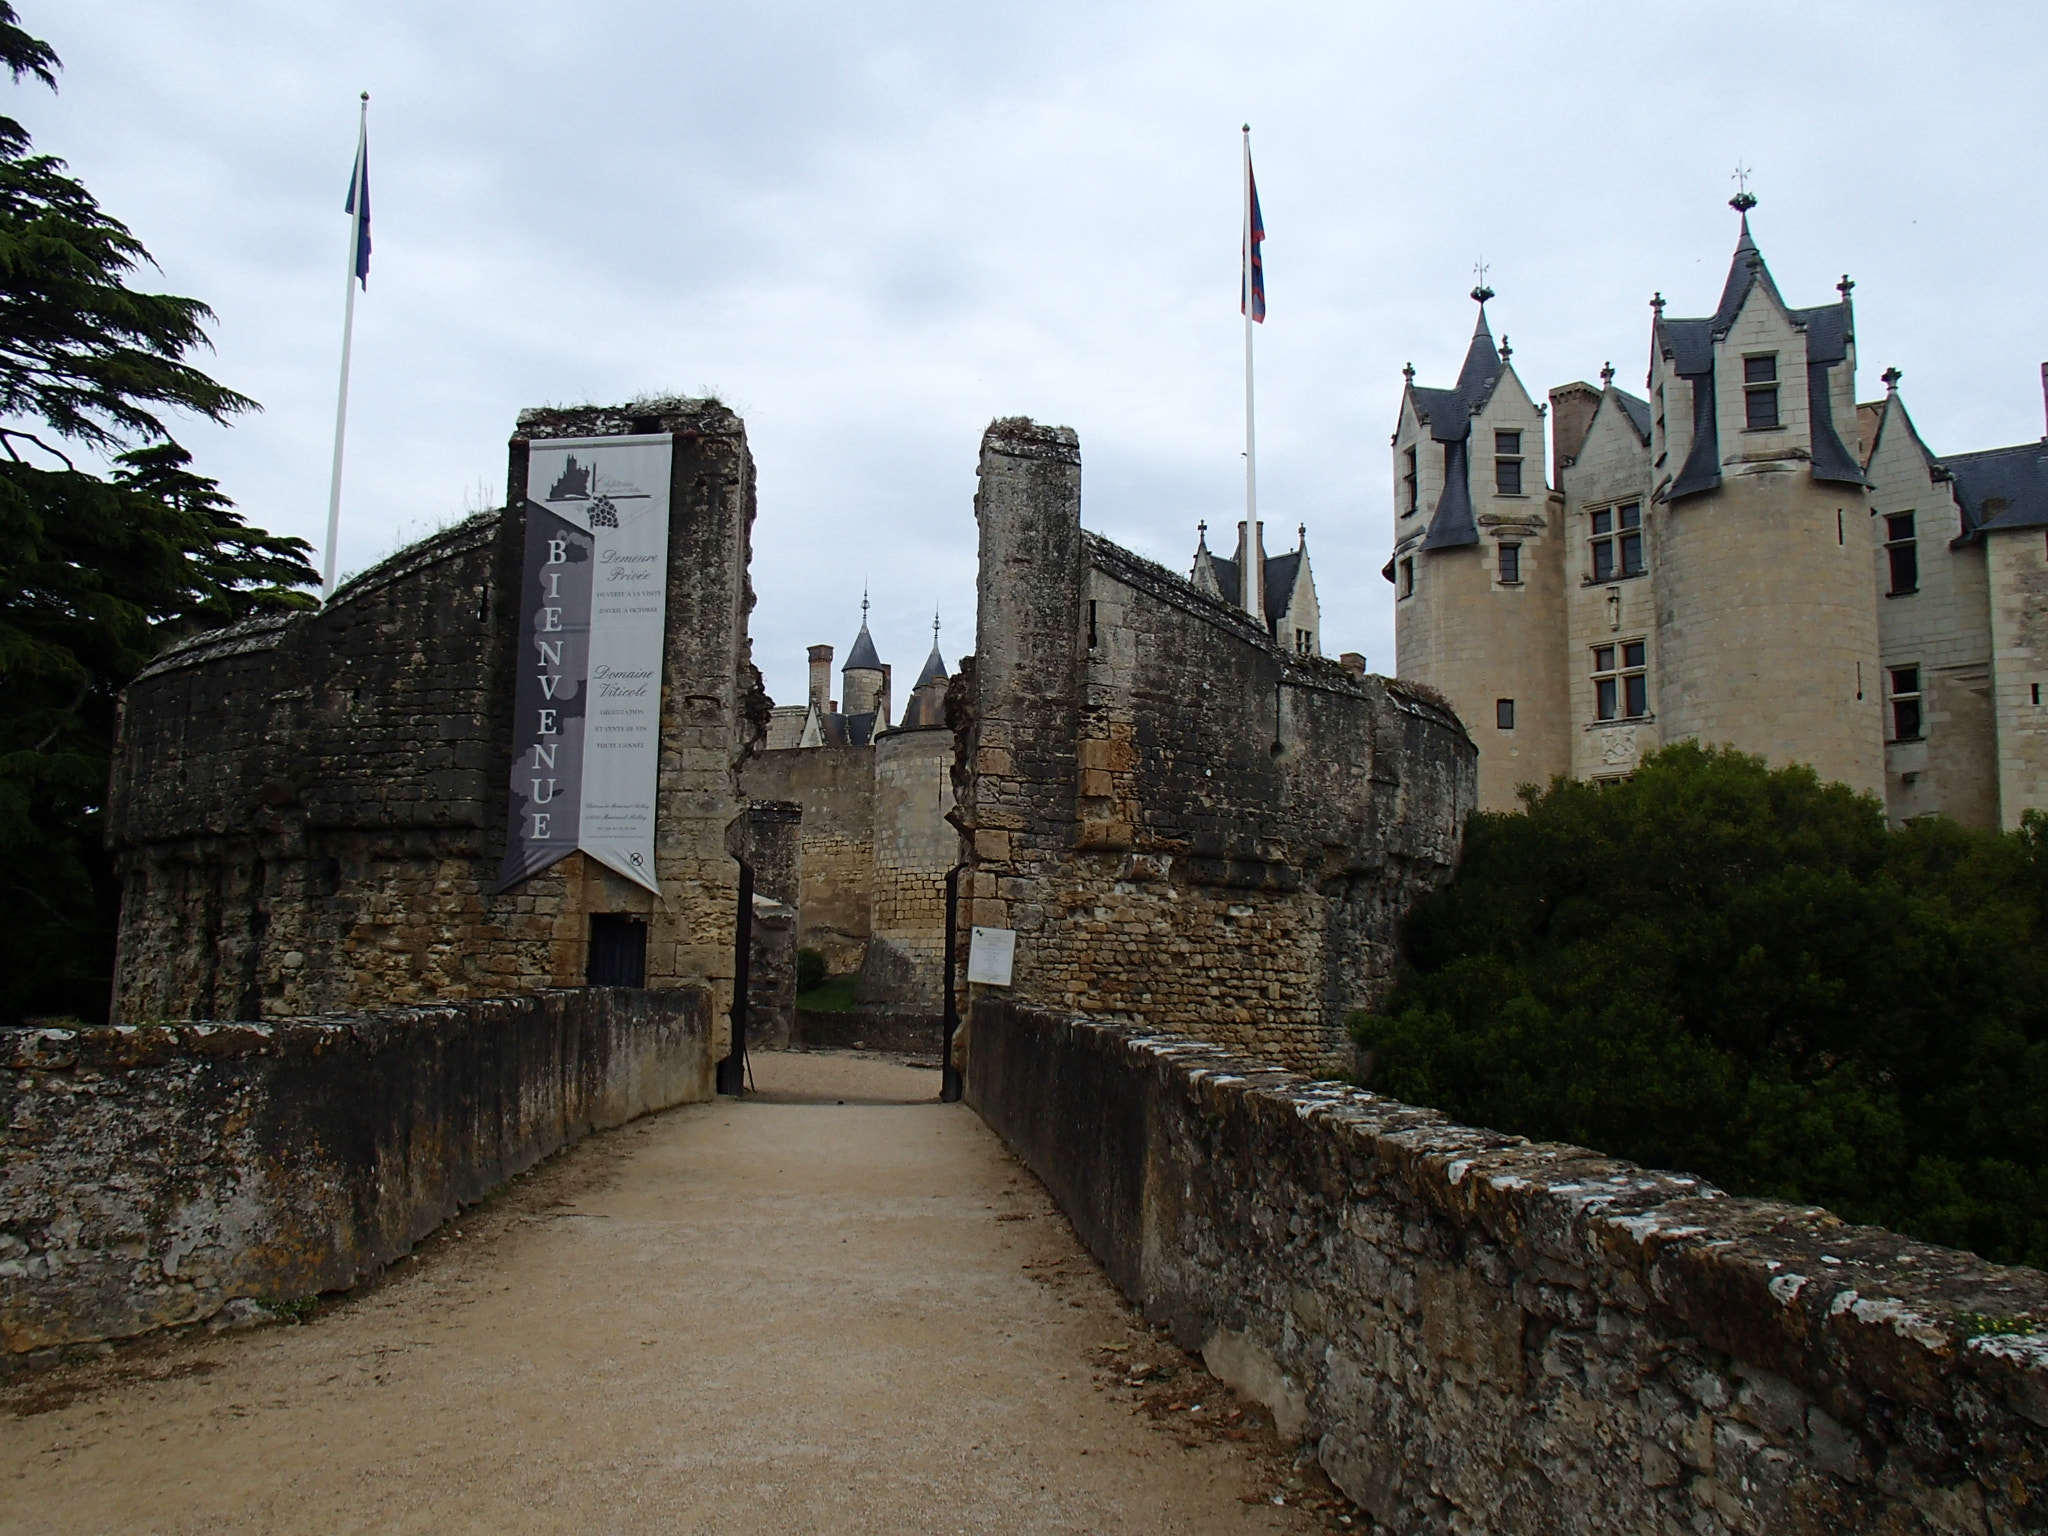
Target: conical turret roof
862	657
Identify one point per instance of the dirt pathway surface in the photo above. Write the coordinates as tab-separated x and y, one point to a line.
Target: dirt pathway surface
824	1308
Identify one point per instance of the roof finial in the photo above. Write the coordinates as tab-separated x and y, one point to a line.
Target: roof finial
935	626
1744	199
863	604
1845	286
1506	351
1408	372
1301	531
1891	377
1657	303
1202	531
1606	374
1480	268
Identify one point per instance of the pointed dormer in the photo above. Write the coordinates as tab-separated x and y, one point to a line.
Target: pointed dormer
1204	574
1768	385
1446	415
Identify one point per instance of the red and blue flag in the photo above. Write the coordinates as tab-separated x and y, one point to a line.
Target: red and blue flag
1255	257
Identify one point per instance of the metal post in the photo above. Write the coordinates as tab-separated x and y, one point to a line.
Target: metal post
951	1086
732	1071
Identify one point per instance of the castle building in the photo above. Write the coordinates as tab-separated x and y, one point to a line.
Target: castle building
876	844
1282	594
1746	557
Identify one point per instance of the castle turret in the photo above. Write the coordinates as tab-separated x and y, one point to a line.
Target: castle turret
1766	632
864	685
927	704
1477	567
1282	597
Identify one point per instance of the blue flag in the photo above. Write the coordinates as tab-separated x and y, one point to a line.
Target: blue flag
359	205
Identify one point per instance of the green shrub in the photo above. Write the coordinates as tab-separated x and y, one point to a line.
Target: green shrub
811	969
1743	973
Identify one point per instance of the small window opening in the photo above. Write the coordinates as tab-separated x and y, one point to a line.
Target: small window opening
1760	392
1091	623
1507	463
1906	720
1408	577
1902	554
1504	714
1304	642
1510	565
1411	486
2037	693
618	951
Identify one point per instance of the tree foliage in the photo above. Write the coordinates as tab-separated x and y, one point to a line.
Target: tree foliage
1743	973
97	572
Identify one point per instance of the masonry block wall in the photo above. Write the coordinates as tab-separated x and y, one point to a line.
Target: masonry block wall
1178	817
149	1177
768	838
914	847
1481	1334
309	812
836	788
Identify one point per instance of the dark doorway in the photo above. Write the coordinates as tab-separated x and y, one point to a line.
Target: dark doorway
618	951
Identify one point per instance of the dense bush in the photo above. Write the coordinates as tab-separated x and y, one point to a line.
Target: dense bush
1741	972
810	969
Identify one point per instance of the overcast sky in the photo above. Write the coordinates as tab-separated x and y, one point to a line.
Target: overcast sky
872	227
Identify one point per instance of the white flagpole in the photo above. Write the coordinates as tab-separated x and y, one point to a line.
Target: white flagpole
1253	576
348	331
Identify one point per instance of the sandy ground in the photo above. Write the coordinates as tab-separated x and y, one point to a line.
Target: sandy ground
833	1306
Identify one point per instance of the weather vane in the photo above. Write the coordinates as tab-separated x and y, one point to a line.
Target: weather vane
1479	270
1744	199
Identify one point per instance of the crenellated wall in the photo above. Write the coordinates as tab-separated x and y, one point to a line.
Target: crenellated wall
1483	1335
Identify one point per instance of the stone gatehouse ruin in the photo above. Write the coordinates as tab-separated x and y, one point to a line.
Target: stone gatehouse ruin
1180	817
310	812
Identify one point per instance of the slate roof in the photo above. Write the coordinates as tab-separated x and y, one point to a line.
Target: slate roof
1638	411
2001	488
934	669
1448	415
1280	572
862	657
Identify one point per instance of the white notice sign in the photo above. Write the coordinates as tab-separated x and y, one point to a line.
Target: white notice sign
990	956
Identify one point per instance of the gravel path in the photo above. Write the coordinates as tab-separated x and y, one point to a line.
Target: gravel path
833	1306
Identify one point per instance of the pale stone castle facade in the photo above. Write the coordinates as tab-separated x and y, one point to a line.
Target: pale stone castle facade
1747	557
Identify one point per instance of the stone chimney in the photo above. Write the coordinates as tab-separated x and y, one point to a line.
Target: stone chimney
821	678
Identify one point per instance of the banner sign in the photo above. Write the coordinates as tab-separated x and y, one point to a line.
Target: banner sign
593	597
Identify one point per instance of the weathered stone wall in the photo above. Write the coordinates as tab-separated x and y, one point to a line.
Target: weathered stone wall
767	838
914	847
2017	561
309	812
150	1176
836	788
1483	1335
1180	818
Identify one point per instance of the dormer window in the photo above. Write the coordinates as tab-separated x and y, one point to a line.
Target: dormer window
1760	392
1411	486
1507	463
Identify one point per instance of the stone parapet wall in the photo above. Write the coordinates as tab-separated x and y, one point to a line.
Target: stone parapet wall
1484	1335
836	788
151	1176
1180	819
